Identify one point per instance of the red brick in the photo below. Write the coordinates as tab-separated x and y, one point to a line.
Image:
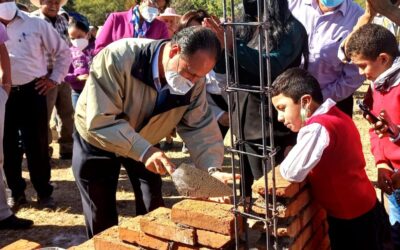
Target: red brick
153	242
180	246
292	208
301	220
283	188
108	239
22	244
158	223
316	239
213	240
316	222
205	215
87	245
325	244
129	231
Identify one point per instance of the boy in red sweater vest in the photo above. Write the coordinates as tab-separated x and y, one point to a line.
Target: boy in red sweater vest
375	51
329	154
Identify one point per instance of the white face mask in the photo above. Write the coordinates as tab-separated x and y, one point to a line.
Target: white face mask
8	10
80	43
149	13
177	84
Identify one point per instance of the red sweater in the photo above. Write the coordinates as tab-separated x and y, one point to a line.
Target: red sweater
339	181
383	149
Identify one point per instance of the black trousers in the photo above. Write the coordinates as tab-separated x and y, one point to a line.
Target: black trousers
26	121
96	173
370	231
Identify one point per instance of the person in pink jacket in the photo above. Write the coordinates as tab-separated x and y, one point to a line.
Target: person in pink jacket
138	22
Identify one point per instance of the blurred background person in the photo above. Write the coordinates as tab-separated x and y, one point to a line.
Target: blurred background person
328	23
79	69
287	46
215	82
139	22
171	19
58	98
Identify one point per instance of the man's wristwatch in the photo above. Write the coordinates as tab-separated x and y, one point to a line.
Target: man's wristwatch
212	170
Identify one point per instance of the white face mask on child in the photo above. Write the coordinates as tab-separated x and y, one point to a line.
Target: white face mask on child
8	10
80	43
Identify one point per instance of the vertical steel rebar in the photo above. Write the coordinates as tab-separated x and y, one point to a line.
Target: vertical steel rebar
268	149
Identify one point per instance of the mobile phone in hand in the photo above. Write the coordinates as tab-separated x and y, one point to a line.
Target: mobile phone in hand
373	118
367	111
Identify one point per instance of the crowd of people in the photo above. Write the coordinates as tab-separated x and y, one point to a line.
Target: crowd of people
150	73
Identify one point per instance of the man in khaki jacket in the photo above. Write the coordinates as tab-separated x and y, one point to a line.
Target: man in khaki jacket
138	91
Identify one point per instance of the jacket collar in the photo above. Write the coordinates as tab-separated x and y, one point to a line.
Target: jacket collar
142	66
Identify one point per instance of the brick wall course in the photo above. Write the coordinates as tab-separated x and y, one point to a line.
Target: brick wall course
205	215
158	223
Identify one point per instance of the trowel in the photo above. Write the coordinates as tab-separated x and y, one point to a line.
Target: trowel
193	182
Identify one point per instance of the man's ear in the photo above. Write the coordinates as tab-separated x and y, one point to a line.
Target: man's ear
384	58
175	49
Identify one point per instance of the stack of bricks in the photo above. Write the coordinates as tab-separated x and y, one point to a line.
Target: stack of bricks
301	221
190	224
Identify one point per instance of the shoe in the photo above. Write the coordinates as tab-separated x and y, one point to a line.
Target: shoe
184	148
13	222
47	202
65	156
166	146
15	202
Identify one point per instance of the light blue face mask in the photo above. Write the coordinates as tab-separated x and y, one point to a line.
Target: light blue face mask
331	3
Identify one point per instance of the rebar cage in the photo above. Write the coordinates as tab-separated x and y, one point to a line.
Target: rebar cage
233	89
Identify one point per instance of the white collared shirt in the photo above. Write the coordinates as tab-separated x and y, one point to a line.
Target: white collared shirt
30	39
311	143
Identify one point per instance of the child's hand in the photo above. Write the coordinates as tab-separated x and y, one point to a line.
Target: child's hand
385	178
82	77
385	126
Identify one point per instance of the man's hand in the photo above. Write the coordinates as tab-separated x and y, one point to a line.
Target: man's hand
224	177
385	178
157	162
44	85
214	24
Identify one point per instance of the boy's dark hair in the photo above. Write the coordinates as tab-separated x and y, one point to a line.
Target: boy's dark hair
195	38
370	40
295	83
79	25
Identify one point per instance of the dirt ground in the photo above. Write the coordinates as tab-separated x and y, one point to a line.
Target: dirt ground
65	226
